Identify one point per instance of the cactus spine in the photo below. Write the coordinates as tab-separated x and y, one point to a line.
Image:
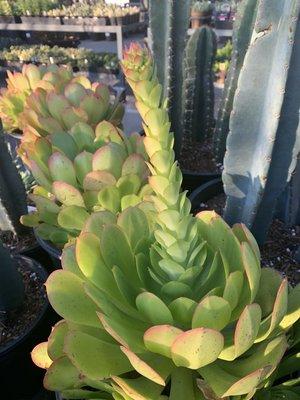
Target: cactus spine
169	22
242	32
12	192
264	139
198	92
11	284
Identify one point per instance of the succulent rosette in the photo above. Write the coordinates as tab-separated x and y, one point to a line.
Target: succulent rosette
171	307
21	84
81	160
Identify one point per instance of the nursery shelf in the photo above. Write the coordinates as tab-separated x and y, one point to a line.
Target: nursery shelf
117	29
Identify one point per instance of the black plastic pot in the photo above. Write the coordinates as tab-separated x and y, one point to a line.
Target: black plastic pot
20	378
41	20
227	24
37	253
192	180
53	252
17	136
205	192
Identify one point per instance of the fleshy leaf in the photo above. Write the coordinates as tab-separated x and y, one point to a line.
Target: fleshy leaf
94	358
197	347
68	298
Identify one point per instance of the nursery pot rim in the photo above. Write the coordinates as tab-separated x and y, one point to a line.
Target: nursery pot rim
36	267
15	135
192	180
48	246
208	190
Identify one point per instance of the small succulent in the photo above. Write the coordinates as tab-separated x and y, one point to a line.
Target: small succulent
168	307
81	160
205	7
21	84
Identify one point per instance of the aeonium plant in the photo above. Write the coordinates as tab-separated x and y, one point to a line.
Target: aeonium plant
21	84
171	307
80	158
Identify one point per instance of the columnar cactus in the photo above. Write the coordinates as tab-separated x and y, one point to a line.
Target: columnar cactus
21	84
198	84
81	161
12	192
264	139
242	33
169	22
168	307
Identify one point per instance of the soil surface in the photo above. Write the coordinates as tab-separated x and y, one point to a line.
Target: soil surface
15	243
280	249
197	157
17	322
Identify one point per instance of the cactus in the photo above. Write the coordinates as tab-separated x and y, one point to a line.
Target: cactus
11	284
81	161
12	192
181	302
198	86
264	139
169	22
242	33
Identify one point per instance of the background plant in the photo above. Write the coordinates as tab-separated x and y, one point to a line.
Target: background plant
81	58
169	22
202	7
181	301
198	84
35	7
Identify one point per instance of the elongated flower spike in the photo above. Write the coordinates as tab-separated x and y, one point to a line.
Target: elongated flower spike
178	247
174	309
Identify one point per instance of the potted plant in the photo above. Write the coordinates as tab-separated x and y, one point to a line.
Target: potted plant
201	14
69	146
147	300
35	11
25	317
77	14
19	87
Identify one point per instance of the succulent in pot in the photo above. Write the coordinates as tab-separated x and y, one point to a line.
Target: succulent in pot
164	305
81	160
21	84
